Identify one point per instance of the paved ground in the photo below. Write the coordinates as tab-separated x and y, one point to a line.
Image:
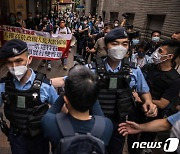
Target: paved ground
56	71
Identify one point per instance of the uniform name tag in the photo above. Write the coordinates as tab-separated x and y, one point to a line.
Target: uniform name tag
113	83
21	102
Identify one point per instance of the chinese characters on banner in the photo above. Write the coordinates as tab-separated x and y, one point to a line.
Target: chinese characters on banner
40	44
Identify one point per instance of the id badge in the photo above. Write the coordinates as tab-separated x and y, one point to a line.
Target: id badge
113	83
21	102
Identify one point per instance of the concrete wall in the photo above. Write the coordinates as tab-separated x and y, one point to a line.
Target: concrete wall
141	8
20	6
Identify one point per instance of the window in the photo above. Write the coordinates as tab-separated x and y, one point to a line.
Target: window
130	18
154	22
93	6
113	16
104	15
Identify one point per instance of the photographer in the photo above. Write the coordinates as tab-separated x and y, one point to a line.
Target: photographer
46	26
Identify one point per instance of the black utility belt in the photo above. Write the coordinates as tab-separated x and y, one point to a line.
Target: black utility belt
18	132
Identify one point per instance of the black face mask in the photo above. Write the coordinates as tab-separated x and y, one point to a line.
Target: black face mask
141	54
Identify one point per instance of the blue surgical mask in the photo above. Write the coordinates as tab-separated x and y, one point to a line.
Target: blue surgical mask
155	39
135	41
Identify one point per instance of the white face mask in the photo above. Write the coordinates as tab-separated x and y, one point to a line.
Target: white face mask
115	24
18	71
156	56
117	53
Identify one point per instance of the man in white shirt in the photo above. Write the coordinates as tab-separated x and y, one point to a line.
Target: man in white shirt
62	29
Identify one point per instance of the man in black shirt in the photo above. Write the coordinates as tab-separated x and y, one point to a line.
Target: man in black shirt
162	78
81	92
30	24
154	42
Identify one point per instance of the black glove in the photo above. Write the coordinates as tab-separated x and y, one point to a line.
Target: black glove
3	125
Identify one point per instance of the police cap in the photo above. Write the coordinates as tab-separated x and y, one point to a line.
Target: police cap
117	33
13	48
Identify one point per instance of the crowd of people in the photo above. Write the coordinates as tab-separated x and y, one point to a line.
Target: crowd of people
125	80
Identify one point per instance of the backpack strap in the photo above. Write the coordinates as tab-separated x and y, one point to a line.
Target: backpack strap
64	124
126	69
99	126
67	29
100	65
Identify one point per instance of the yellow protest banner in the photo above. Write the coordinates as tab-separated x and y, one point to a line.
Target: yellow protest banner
33	38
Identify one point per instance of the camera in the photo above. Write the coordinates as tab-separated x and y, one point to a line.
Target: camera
78	59
125	15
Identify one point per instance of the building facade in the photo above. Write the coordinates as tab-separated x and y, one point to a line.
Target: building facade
145	15
23	6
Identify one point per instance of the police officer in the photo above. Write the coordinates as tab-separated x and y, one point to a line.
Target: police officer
118	76
83	31
25	95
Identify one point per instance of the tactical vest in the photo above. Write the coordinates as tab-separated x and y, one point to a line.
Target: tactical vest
85	33
115	97
23	108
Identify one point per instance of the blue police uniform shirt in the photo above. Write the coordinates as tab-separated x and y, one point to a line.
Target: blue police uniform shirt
47	92
137	79
174	120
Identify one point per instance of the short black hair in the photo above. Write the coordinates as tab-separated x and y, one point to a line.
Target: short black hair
155	31
129	26
173	47
144	45
108	25
116	20
19	13
62	20
81	88
178	32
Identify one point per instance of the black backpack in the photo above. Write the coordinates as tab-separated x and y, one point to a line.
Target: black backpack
74	143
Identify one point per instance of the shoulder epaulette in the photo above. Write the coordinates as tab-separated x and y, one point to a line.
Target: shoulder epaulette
100	65
128	63
40	77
